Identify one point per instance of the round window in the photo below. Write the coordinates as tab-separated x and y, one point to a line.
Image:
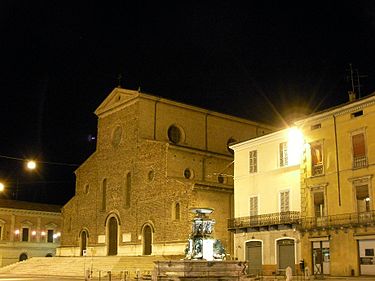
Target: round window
174	134
188	173
116	136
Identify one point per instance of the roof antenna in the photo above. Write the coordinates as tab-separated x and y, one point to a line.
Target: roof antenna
119	78
355	81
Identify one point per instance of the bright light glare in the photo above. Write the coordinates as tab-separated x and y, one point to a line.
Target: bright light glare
43	233
31	165
295	146
17	232
33	233
2	187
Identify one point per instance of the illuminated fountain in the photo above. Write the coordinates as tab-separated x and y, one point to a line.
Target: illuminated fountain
204	256
201	244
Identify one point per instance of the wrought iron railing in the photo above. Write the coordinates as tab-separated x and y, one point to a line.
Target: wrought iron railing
317	170
305	223
359	162
291	217
334	221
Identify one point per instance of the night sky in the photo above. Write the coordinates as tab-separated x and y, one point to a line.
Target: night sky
267	61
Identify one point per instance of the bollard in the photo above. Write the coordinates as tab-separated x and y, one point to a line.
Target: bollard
100	275
137	274
88	275
109	275
124	275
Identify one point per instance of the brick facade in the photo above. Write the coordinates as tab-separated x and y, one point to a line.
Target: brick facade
156	159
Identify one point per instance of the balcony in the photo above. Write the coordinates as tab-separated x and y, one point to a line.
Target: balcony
264	221
317	170
360	162
338	221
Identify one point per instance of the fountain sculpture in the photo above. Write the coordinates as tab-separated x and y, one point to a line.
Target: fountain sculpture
204	256
201	244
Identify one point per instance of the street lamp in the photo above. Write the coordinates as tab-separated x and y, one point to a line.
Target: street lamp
31	165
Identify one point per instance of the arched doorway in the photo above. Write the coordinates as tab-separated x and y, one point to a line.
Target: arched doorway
147	240
83	242
23	257
112	236
254	257
286	256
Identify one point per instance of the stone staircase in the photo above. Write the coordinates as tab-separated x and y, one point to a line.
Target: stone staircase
78	266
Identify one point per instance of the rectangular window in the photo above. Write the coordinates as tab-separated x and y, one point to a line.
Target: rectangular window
284	201
357	114
369	252
253	206
363	198
319	204
50	236
253	161
316	126
359	151
283	151
317	167
25	234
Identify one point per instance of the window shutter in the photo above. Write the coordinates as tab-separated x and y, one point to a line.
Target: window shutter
253	161
358	145
284	201
253	206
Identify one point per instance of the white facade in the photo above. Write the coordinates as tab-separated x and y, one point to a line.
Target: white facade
267	201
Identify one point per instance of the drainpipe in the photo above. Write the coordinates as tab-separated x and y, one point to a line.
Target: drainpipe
337	161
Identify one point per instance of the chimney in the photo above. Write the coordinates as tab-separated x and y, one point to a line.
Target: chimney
352	96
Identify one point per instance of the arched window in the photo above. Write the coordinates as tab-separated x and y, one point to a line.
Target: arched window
23	257
104	194
127	191
177	211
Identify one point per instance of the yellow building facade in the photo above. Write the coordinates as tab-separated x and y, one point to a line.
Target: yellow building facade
28	230
337	193
267	202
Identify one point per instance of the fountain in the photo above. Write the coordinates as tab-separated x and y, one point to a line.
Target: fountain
204	256
200	244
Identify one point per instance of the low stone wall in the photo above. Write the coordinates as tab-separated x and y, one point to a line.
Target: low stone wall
199	270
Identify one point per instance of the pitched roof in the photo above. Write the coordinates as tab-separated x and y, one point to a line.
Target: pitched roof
14	204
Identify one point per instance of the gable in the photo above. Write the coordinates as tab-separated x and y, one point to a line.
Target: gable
115	100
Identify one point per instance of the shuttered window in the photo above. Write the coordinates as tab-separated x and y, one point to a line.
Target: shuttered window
358	145
283	152
253	206
284	201
359	151
253	161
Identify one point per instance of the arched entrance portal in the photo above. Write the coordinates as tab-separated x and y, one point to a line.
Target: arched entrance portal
83	242
112	236
254	257
286	257
147	240
23	257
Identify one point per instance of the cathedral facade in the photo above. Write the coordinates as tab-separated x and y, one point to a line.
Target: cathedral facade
155	160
